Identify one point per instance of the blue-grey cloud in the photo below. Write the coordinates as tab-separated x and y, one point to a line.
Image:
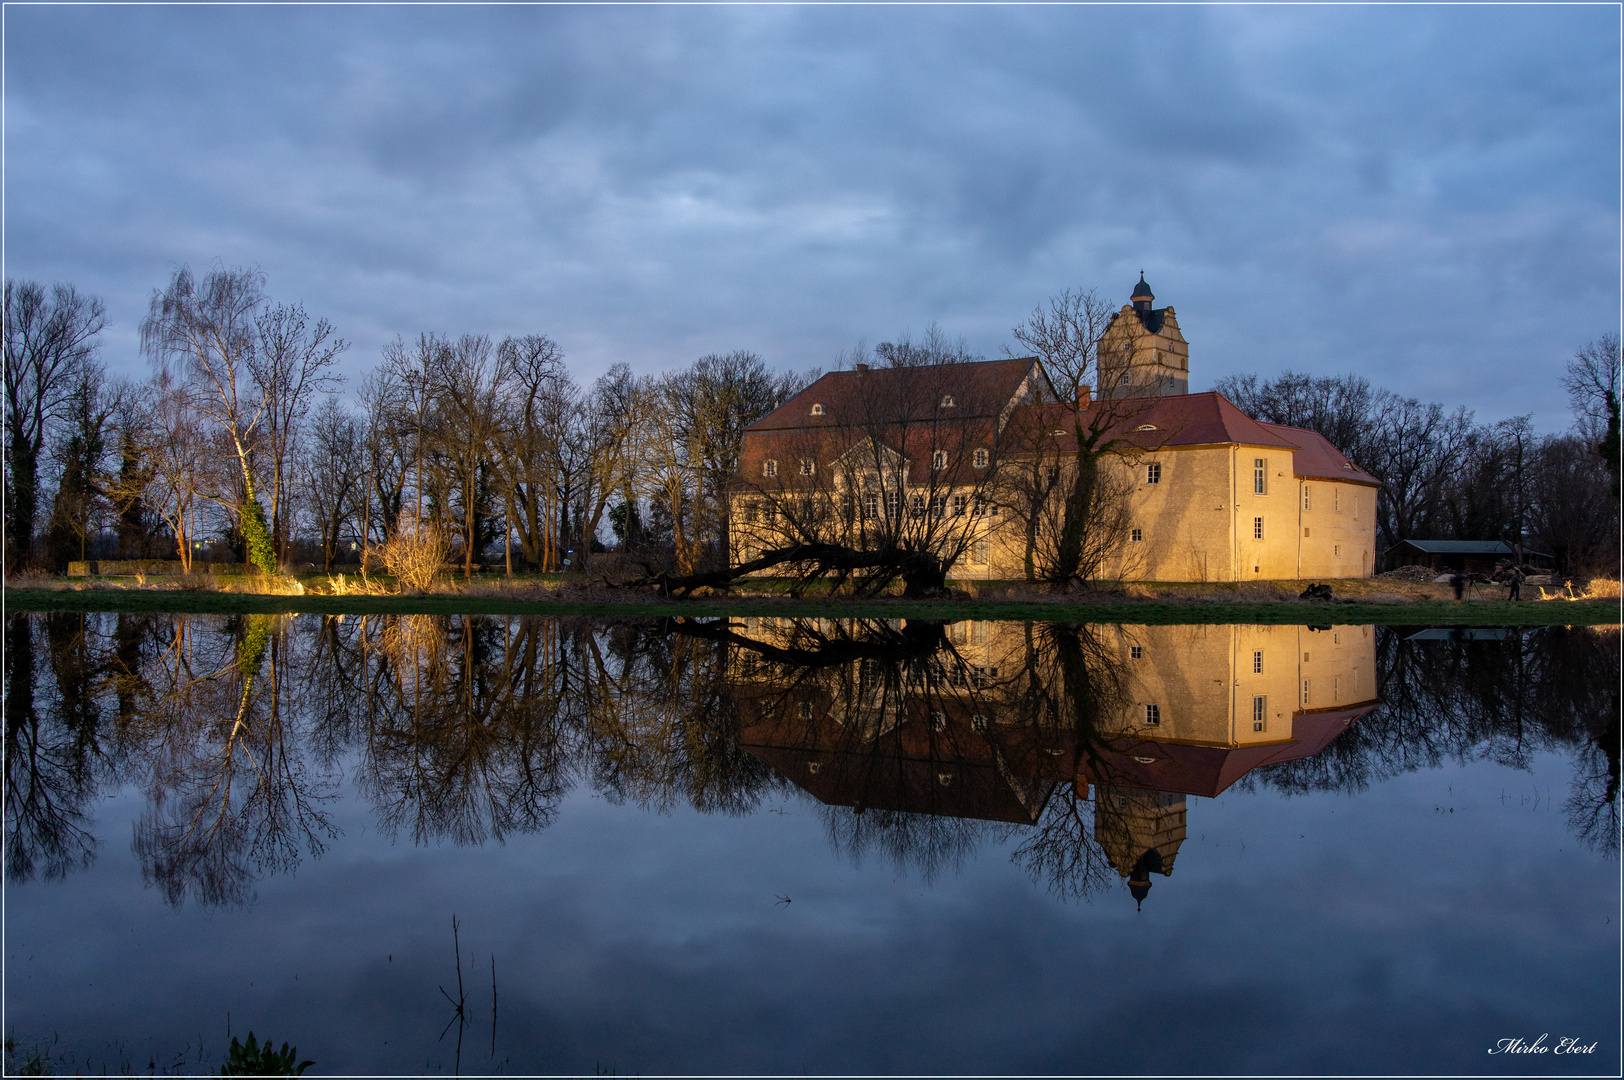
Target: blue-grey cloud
1425	196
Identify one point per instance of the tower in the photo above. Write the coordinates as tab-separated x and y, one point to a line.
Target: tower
1142	353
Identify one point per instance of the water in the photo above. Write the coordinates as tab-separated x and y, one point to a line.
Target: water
773	846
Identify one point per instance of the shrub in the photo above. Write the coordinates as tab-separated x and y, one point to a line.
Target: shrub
415	553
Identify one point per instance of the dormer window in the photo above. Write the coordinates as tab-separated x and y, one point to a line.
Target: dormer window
948	402
1146	427
808	466
981	458
938	459
769	467
817	408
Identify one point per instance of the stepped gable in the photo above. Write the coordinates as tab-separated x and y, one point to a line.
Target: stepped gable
1316	458
912	395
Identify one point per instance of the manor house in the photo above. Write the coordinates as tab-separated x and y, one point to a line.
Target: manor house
976	458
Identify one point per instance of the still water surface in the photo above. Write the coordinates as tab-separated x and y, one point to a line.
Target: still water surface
782	846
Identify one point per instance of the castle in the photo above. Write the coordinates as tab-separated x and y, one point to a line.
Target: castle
971	460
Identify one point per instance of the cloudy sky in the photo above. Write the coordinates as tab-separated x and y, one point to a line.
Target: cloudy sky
1427	196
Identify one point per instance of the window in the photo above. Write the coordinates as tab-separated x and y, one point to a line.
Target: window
1260	713
978	722
939	508
1306	689
1308	500
1257	528
1053	475
1257	661
1336	688
938	720
750	509
808	466
1136	652
1336	551
1305	532
1146	427
769	467
916	506
961	503
1137	536
770	513
806	710
1153	473
938	459
1153	715
893	504
981	458
980	550
1336	500
1356	508
947	401
817	408
977	507
1260	476
1336	637
871	506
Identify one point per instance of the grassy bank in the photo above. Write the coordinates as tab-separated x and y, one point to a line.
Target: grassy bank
1205	607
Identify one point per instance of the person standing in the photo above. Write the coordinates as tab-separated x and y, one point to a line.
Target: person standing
1458	580
1516	581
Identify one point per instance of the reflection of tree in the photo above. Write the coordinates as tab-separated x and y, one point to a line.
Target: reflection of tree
1505	698
50	759
920	750
231	796
464	723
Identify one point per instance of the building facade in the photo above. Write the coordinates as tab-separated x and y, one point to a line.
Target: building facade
968	460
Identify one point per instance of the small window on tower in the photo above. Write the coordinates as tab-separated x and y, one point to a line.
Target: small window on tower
1137	536
817	408
1260	476
1257	528
1257	661
1136	652
1336	500
1153	715
1153	473
1260	713
1308	499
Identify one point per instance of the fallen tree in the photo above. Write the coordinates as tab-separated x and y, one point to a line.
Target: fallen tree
923	574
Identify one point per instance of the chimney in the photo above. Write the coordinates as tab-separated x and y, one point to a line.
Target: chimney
1085	395
862	369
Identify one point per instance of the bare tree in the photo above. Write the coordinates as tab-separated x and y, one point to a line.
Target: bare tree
1592	383
1093	406
175	450
49	340
290	365
334	472
470	381
206	331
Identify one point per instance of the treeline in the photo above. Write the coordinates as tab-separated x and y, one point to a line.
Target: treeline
239	448
1447	477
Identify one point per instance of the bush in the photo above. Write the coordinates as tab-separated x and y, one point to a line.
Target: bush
415	553
260	1060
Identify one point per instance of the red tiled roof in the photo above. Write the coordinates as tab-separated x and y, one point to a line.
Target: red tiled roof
1316	457
1177	420
911	394
1208	770
1201	420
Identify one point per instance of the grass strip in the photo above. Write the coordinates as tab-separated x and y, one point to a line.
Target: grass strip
1154	612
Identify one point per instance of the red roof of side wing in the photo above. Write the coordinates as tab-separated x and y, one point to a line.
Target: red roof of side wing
1316	457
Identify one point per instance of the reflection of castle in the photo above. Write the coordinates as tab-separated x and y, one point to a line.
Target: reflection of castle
989	724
